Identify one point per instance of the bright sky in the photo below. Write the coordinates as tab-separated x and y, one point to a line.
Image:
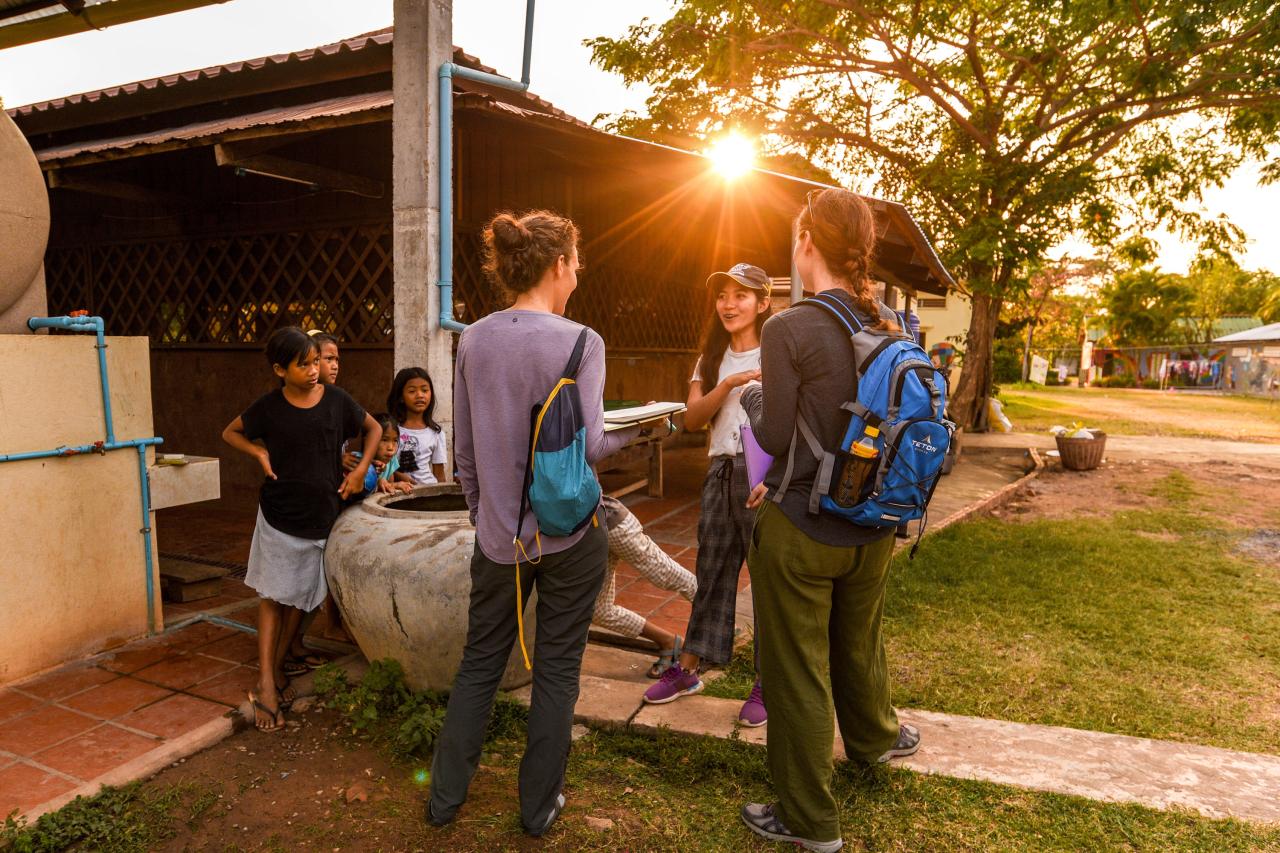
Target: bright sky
490	29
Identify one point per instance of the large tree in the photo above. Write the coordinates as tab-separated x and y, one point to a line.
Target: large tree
1006	125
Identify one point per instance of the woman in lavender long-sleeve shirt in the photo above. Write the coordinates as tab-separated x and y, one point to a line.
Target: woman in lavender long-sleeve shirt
507	364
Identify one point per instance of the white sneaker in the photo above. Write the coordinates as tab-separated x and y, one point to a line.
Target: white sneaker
907	743
761	820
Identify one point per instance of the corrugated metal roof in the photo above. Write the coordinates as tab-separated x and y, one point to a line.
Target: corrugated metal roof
346	105
1221	326
1231	325
1261	333
356	43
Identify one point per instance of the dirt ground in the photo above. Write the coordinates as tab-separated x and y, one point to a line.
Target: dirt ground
1245	495
1127	411
314	787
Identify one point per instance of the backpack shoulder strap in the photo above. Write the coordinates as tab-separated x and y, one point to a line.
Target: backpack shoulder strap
575	360
837	309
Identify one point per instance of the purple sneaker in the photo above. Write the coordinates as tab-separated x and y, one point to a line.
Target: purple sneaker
675	682
753	713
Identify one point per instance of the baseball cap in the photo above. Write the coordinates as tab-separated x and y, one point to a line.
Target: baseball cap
747	275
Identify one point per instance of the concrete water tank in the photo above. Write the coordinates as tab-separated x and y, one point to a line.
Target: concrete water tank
399	567
24	230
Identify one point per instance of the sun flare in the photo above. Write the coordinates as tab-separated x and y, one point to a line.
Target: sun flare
732	155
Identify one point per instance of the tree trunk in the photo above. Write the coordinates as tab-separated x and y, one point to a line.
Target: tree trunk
1026	352
969	401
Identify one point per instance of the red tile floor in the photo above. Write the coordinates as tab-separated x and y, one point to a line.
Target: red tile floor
63	729
66	728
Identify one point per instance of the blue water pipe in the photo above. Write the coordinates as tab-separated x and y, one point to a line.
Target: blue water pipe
85	324
448	71
212	619
96	325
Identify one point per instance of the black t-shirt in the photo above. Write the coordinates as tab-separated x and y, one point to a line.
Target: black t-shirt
305	446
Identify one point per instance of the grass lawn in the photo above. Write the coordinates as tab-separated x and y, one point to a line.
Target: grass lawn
1123	411
1143	623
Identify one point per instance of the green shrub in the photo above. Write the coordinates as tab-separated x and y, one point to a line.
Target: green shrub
383	708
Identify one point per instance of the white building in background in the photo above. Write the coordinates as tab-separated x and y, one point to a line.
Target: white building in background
943	318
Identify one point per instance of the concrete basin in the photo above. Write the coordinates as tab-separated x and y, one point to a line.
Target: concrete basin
399	567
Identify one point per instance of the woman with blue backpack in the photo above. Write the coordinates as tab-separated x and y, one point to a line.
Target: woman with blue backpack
843	391
528	384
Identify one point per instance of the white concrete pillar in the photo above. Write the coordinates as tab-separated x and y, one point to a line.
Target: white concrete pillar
423	42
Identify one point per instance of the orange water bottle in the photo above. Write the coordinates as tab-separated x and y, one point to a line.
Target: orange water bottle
859	466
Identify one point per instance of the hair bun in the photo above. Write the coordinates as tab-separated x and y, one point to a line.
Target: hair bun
510	234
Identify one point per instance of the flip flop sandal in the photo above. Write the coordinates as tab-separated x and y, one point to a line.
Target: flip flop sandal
275	715
294	666
314	661
666	659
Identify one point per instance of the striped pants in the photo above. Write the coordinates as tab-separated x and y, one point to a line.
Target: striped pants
628	543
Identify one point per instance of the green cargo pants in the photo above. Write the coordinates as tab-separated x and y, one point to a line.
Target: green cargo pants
818	611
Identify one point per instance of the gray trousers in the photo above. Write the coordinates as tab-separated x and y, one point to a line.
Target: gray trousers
567	583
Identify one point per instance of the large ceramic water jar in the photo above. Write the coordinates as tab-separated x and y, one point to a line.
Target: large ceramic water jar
24	230
399	567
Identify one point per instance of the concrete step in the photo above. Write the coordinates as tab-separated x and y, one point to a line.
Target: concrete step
186	580
1216	783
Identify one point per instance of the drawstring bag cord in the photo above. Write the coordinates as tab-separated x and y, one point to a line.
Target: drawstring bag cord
520	550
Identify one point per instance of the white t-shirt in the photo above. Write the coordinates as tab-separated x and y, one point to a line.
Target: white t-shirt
726	440
428	449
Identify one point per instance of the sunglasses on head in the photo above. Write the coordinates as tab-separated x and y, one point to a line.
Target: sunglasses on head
808	203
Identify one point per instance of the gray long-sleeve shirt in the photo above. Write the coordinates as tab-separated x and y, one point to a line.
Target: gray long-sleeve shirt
806	367
507	364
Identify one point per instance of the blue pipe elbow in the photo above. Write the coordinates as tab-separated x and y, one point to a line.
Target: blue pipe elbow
448	71
87	324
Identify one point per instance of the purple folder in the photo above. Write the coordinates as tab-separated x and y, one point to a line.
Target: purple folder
758	461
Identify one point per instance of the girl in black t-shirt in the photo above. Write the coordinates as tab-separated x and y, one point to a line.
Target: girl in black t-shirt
295	433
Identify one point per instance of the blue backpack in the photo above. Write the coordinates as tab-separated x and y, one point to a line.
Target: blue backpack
903	396
559	484
560	487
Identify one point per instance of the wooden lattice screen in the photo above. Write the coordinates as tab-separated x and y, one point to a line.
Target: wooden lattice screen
233	290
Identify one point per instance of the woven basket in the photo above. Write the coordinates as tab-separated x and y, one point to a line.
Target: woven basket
1082	454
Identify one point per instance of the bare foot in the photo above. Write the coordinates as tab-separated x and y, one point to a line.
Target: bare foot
285	689
265	718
